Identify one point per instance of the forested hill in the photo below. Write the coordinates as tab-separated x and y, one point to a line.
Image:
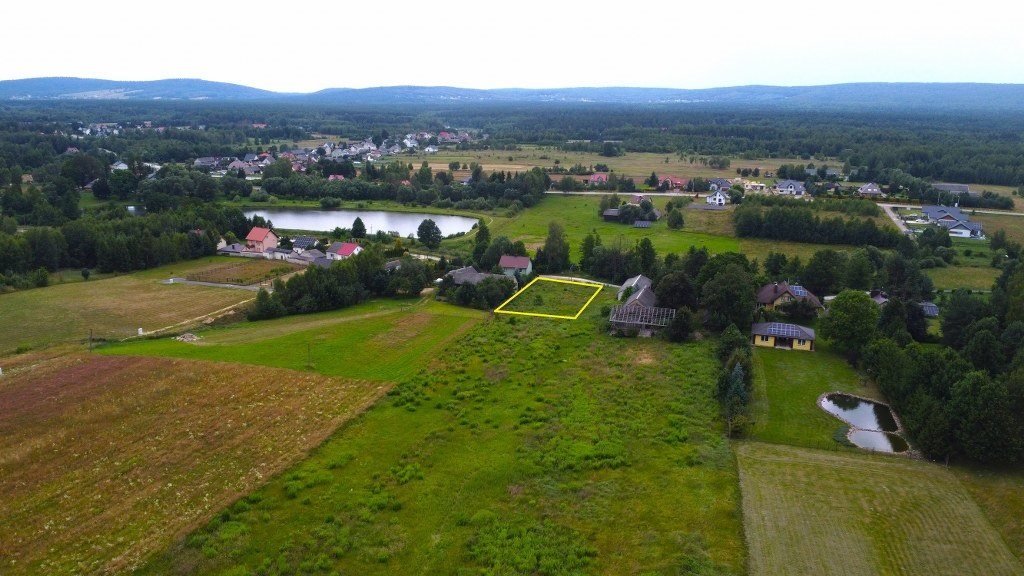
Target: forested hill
865	95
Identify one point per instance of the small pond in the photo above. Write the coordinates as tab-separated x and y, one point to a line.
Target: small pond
404	223
859	413
878	441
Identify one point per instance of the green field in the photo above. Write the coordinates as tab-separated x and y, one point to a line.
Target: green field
787	384
970	277
517	450
816	513
1012	224
552	297
379	340
113	308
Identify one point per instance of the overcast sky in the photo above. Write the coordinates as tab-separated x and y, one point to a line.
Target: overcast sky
307	46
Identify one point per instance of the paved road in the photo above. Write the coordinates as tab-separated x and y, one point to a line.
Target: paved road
888	209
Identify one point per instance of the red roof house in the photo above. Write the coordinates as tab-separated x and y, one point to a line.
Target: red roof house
510	265
260	240
598	178
342	250
335	178
673	182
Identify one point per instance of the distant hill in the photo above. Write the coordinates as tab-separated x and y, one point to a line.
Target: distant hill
863	95
93	89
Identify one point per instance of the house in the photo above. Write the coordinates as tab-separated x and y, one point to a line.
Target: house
756	187
335	178
302	243
597	178
310	255
392	265
611	215
952	188
260	240
470	275
237	165
717	198
342	250
772	296
829	172
782	335
791	187
512	265
430	150
672	182
634	284
205	162
930	309
870	190
322	262
640	312
118	166
716	184
954	220
250	157
231	249
879	297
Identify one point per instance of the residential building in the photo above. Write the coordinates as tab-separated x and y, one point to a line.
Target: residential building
776	294
634	284
597	178
512	265
790	187
716	184
782	335
870	190
717	198
260	240
342	250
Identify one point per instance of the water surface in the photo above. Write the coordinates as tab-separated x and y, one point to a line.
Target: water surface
863	414
404	223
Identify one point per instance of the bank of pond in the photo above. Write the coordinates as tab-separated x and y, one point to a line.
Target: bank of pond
872	424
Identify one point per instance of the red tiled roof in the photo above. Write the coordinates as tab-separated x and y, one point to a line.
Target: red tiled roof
346	249
517	262
258	234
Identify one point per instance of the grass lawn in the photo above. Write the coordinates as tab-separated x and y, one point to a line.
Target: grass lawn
973	278
524	446
1012	224
820	513
106	460
380	340
113	308
787	384
545	296
243	271
1000	494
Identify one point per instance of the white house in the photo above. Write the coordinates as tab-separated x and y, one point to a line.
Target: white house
342	250
791	187
511	265
717	198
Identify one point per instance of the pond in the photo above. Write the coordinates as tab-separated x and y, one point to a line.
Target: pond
878	441
859	413
404	223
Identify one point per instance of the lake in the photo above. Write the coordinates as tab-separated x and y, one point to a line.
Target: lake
404	223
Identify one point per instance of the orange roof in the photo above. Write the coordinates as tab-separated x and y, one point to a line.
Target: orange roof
258	234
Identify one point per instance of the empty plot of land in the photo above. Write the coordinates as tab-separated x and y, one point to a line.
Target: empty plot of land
819	513
547	297
243	271
105	459
113	308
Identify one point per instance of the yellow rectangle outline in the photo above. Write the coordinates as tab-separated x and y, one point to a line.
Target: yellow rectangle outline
599	287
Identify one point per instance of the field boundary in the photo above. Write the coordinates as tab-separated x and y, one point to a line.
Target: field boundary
599	287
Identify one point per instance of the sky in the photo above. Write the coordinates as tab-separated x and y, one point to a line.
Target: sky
308	46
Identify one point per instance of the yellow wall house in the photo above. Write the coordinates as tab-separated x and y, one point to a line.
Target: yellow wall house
781	335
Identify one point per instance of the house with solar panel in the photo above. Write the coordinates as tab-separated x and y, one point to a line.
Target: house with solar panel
778	294
782	335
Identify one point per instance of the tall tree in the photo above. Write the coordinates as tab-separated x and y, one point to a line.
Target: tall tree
556	249
429	234
358	228
851	321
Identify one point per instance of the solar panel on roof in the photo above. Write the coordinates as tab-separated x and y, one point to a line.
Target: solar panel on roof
798	290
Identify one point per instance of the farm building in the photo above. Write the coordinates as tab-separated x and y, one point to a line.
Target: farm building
639	312
260	240
771	296
782	335
611	215
930	309
512	265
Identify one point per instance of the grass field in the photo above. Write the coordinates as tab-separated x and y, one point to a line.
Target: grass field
1013	225
242	271
545	296
113	308
380	340
971	277
787	384
1000	494
516	450
810	512
107	459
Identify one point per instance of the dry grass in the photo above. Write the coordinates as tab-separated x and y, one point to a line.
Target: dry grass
1012	224
243	271
819	513
113	308
105	459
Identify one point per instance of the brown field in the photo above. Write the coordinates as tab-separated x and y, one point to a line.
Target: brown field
243	271
1012	224
106	459
819	513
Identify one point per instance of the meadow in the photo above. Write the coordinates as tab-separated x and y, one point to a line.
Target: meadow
107	459
518	449
552	297
112	308
812	512
243	271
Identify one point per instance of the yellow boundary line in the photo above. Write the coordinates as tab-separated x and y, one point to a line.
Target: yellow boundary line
599	287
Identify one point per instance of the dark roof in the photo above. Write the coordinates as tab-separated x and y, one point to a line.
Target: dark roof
641	316
469	275
611	212
771	292
322	262
642	297
392	265
930	309
516	262
797	186
304	242
936	212
782	329
642	224
312	255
